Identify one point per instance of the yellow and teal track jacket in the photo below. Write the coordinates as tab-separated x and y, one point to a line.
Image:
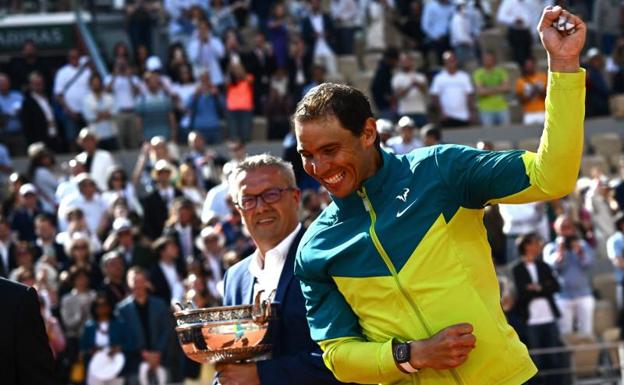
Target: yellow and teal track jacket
407	255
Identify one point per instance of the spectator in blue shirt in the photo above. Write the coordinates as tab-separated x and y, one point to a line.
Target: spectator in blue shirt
615	252
10	105
206	109
571	257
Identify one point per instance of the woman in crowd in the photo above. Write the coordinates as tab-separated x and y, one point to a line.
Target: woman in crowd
75	310
120	187
239	103
102	332
190	187
41	172
155	109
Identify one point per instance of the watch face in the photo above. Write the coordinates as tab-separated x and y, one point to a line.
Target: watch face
402	353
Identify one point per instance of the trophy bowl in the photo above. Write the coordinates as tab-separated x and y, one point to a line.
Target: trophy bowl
227	333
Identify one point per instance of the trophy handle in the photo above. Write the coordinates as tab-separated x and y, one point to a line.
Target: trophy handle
261	309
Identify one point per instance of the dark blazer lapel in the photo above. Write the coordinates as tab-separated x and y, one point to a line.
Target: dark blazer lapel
289	268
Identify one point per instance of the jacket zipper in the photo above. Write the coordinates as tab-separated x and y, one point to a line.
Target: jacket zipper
386	258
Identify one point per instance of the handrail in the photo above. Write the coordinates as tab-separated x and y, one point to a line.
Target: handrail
89	41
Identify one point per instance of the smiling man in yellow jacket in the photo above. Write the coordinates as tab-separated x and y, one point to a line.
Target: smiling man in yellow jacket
399	285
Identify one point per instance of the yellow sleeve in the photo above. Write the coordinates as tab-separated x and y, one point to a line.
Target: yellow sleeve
554	169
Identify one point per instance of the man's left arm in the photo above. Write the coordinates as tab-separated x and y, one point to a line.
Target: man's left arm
481	178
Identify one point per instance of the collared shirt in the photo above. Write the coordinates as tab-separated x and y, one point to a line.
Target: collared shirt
74	94
94	104
122	90
4	257
167	195
173	280
207	55
436	19
43	103
615	250
10	104
539	309
186	239
267	272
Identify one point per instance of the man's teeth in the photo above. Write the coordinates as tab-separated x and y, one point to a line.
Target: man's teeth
335	179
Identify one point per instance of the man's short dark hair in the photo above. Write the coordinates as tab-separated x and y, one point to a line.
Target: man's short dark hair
347	104
431	130
523	240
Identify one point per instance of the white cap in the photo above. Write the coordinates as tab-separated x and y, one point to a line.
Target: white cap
592	52
121	224
27	188
384	126
406	121
153	63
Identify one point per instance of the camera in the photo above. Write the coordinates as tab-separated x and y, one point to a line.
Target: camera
569	241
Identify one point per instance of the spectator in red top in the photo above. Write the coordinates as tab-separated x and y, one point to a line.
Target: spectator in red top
239	103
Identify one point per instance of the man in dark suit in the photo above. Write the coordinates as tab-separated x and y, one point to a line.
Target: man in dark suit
535	305
167	274
7	249
147	323
46	244
25	356
23	221
131	249
266	195
37	115
156	205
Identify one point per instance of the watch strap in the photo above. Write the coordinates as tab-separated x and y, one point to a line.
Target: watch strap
407	367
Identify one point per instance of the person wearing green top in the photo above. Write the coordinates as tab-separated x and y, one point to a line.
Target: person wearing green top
492	83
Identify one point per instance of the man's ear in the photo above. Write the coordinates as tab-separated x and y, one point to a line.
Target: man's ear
369	133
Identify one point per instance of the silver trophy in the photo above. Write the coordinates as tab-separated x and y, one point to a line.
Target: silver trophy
227	333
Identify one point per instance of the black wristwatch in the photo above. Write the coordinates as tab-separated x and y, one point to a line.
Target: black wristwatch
402	355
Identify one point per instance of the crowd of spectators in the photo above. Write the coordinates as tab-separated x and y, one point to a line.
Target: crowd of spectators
110	249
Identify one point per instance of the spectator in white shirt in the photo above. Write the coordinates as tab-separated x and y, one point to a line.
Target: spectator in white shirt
410	90
453	94
71	84
97	161
98	109
406	141
89	201
205	51
125	87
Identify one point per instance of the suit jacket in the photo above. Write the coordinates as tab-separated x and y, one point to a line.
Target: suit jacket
11	259
309	34
296	358
159	320
140	256
547	281
155	213
59	251
160	283
25	356
35	124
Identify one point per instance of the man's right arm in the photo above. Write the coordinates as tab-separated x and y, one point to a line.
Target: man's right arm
347	353
335	327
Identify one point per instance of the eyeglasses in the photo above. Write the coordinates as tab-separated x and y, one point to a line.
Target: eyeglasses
272	195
